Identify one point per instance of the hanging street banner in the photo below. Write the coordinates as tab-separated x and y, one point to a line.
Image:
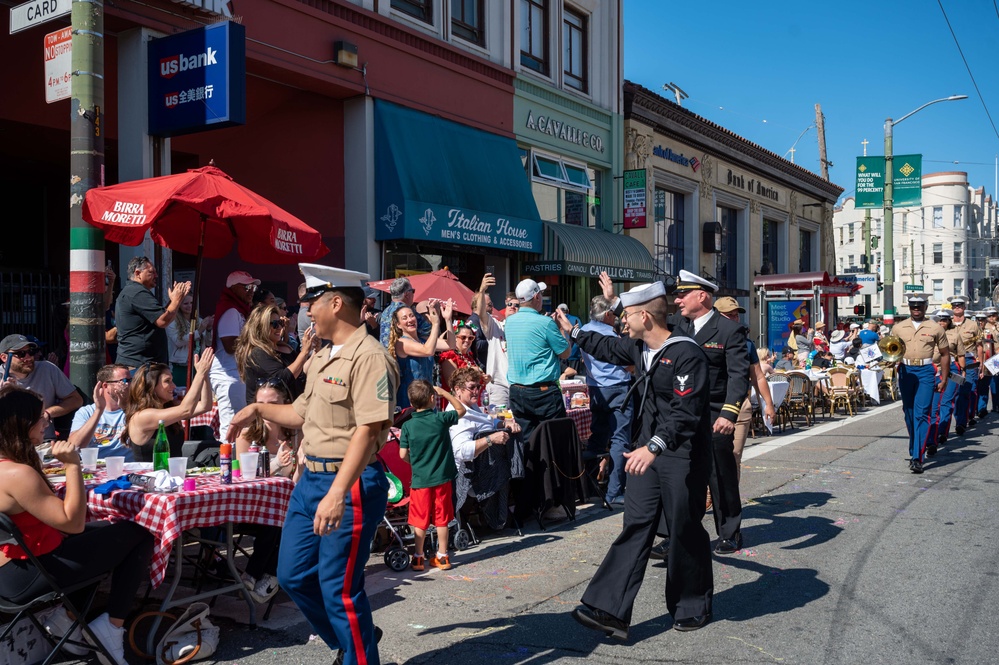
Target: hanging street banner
907	182
634	199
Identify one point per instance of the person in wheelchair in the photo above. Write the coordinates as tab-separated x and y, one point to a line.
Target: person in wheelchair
68	547
481	474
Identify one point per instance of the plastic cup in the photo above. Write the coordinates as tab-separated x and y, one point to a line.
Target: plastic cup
89	457
248	465
115	466
177	466
190	484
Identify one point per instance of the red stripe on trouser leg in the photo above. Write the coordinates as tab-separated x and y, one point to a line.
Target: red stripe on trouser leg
348	584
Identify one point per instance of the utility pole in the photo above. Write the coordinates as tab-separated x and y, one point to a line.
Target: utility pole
867	244
86	165
820	127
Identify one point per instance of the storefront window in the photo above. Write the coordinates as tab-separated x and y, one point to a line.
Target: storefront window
805	251
770	259
727	261
565	192
669	231
420	9
467	21
534	35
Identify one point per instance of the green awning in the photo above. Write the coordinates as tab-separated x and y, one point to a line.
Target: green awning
441	181
585	252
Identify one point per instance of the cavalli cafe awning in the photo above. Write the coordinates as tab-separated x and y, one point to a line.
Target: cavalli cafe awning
584	252
440	181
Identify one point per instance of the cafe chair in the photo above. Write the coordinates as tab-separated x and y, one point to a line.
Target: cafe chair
842	392
800	398
888	387
11	535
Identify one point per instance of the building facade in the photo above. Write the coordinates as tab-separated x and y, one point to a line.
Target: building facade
943	247
721	206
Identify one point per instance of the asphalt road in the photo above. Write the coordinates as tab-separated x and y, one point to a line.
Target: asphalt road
849	558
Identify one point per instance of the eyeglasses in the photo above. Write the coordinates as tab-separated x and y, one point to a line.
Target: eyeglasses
474	388
628	314
513	305
123	382
30	351
466	338
277	323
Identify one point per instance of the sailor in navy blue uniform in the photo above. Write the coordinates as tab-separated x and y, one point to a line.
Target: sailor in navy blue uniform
668	467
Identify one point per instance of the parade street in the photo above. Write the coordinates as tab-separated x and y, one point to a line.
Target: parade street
848	558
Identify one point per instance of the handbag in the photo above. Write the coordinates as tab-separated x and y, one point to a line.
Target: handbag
191	636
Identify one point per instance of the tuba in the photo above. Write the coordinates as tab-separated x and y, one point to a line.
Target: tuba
892	348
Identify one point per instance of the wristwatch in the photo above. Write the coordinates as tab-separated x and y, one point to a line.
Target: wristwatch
656	446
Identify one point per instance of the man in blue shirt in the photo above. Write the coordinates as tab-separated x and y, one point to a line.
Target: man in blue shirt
608	388
534	346
869	335
101	424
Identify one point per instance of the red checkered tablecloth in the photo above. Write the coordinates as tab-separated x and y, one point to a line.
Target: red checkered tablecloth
583	419
167	515
211	419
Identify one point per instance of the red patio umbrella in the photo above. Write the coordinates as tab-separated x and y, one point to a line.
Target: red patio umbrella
202	212
441	284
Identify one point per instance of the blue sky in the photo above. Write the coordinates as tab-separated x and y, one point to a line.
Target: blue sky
759	68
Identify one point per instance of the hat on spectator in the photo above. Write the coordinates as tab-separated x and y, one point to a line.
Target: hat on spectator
528	288
320	279
643	293
837	336
563	307
958	300
240	277
883	330
850	361
688	281
820	324
854	326
370	292
729	304
14	343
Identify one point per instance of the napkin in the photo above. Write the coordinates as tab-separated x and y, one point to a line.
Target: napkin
165	483
121	483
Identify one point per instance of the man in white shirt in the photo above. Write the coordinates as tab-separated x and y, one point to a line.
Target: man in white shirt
230	315
497	361
839	343
102	426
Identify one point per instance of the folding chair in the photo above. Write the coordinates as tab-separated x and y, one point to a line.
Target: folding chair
11	535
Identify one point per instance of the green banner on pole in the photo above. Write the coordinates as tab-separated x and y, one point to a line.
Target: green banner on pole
907	181
870	182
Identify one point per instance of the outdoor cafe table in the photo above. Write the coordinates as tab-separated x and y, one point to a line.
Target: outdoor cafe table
871	379
583	419
167	515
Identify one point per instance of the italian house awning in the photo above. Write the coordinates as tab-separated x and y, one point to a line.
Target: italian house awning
583	252
440	181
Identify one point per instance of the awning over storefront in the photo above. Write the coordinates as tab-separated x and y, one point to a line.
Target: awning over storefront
583	252
440	181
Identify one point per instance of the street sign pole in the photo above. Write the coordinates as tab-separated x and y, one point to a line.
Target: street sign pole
888	223
86	165
867	252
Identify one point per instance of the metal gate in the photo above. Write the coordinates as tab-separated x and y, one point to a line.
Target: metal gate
30	302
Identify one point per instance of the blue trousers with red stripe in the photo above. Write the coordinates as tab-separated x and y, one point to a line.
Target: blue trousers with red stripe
916	384
967	399
943	408
324	575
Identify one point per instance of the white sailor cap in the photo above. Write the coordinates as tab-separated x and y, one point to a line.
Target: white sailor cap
917	299
958	300
943	314
319	279
643	293
688	281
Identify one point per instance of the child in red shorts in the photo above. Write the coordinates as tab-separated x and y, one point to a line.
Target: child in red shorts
426	444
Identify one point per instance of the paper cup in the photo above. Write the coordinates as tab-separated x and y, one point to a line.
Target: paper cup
248	465
115	466
178	467
89	457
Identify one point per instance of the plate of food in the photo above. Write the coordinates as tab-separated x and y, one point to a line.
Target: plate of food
204	471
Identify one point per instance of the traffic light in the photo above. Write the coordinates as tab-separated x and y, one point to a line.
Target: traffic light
881	286
984	287
874	242
859	310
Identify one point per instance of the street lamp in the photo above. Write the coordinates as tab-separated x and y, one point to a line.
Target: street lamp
889	219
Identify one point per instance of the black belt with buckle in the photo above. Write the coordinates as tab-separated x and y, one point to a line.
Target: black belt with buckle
543	384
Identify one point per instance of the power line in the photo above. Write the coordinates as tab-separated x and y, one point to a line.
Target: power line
968	67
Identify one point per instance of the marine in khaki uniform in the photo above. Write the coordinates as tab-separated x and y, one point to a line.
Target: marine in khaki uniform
990	346
966	406
943	402
345	414
917	376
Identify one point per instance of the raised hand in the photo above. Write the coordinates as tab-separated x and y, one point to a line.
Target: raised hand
203	363
606	285
487	281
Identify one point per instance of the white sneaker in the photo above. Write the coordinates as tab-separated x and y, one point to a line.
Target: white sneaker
248	581
57	624
265	589
113	639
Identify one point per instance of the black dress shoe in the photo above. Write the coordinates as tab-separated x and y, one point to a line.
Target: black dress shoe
972	422
931	450
338	659
728	546
941	439
692	623
959	429
661	551
982	413
915	466
595	619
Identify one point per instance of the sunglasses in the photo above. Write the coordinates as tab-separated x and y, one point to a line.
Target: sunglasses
513	305
473	388
276	324
272	382
30	351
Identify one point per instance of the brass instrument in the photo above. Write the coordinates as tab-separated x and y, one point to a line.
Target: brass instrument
892	348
